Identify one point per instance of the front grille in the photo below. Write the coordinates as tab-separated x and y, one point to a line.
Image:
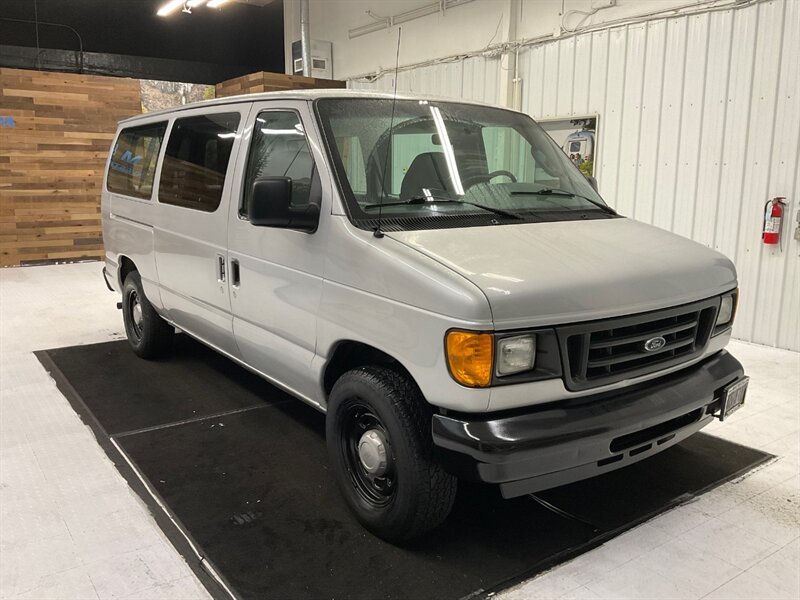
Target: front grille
602	352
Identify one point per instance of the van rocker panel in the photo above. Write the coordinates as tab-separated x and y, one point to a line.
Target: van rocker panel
559	443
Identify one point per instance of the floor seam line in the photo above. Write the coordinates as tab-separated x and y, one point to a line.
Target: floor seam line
192	420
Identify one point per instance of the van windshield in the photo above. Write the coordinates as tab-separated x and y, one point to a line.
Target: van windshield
447	159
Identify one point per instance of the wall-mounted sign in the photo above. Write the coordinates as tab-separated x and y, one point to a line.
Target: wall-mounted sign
7	121
577	137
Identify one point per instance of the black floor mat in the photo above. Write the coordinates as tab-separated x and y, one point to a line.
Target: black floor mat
245	472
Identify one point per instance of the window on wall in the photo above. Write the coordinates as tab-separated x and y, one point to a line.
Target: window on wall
196	160
133	160
279	149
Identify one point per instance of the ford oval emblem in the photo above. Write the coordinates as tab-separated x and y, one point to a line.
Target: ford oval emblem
653	344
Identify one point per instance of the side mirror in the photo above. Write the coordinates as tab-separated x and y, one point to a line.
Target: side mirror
592	182
271	206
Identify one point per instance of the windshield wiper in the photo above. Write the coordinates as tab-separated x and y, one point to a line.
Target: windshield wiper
557	192
440	200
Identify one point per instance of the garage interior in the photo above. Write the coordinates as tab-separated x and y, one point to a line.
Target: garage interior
191	477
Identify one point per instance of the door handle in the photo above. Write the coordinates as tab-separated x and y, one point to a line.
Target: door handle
220	268
235	272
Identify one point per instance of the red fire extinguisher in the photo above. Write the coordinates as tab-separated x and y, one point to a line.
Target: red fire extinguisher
773	220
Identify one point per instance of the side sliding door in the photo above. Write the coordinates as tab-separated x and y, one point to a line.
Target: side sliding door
194	192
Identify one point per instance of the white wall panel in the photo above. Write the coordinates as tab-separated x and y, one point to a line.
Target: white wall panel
649	147
753	258
598	90
631	110
698	128
583	74
610	144
669	139
777	276
566	64
476	78
531	68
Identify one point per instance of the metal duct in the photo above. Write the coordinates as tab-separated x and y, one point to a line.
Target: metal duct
305	38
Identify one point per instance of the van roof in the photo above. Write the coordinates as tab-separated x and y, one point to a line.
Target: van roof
302	95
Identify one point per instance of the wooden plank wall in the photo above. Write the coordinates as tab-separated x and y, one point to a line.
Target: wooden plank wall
52	158
52	161
272	82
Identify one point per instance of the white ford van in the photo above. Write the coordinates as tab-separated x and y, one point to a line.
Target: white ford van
434	275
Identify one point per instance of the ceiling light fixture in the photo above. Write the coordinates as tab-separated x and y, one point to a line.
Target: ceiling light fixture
170	7
187	5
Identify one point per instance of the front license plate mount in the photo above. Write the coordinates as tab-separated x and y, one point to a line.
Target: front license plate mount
733	398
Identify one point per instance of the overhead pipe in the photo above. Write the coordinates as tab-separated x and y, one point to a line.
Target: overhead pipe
38	51
440	6
502	48
305	38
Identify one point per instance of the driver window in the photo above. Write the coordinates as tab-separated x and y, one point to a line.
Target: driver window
405	148
507	150
279	148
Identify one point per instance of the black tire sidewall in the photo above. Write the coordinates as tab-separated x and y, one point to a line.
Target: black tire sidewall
408	445
133	284
157	334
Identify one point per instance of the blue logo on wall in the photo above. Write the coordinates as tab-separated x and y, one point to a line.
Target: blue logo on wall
7	122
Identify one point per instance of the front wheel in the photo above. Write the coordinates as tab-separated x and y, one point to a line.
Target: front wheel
379	441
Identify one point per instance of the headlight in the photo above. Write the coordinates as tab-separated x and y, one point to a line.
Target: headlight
470	355
727	308
515	354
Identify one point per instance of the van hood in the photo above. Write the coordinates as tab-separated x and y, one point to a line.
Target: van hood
538	274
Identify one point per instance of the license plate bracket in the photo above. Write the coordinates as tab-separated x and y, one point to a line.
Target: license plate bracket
733	397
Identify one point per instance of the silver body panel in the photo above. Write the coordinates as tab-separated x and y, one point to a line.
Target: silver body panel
564	272
301	295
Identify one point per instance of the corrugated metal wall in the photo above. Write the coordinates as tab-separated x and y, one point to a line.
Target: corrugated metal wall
699	125
476	78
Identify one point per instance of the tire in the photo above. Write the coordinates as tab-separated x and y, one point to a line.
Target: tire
149	335
414	494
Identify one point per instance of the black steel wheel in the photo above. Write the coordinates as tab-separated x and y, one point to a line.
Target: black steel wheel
149	335
381	449
136	316
366	447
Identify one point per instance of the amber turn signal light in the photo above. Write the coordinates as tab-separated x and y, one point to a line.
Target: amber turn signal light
470	356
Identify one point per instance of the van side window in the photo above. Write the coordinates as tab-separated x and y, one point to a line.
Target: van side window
279	148
132	169
196	160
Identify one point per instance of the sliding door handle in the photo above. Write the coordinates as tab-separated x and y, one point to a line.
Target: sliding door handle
220	268
235	281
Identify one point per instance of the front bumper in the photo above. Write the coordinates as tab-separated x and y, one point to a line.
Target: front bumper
558	443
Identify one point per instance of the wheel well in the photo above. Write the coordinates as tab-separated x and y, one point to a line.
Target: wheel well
126	266
349	355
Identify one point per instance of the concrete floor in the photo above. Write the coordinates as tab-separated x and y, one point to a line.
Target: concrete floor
71	528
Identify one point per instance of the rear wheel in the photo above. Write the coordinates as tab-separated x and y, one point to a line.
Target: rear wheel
149	335
379	441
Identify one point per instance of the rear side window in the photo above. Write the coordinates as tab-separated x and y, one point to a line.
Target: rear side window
196	161
133	160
